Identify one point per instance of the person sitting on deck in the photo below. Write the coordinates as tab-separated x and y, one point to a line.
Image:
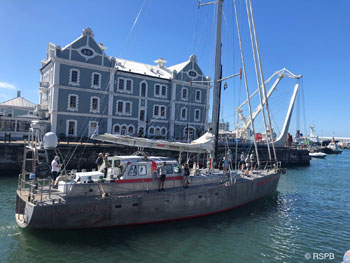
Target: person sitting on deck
162	172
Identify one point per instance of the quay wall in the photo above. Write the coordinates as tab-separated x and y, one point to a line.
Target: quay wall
84	155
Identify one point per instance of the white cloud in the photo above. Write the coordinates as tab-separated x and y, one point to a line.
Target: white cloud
6	85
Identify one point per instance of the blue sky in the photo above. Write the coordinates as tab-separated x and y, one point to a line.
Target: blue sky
309	37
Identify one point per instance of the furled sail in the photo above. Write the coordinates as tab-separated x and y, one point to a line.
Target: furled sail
204	144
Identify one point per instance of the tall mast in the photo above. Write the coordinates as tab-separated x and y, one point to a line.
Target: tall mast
217	76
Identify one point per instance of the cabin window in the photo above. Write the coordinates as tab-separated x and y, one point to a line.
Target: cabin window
177	169
133	171
169	169
142	170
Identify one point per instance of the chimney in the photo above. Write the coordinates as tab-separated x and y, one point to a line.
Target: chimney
18	93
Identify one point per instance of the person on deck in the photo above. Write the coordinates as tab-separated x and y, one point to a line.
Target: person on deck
162	172
242	161
186	174
252	161
247	165
105	161
55	169
99	161
225	164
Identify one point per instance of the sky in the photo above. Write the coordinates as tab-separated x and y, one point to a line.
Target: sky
308	37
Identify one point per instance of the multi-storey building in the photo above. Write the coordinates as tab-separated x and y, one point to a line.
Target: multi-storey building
85	91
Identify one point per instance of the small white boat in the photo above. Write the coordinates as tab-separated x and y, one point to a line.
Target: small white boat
317	155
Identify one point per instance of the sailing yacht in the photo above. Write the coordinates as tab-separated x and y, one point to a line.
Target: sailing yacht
130	193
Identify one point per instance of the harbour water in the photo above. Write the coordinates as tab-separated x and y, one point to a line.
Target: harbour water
310	213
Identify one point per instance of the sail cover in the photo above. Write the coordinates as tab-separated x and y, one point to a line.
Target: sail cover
204	144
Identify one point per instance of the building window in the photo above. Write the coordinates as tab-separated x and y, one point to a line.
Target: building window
119	107
142	115
124	108
74	77
156	111
160	91
125	85
189	132
143	89
157	131
116	129
197	115
163	91
131	129
121	84
128	85
151	131
183	114
163	131
95	104
96	80
159	111
73	102
184	94
93	127
71	128
123	130
198	96
127	108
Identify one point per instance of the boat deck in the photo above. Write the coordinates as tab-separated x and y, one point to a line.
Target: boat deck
46	195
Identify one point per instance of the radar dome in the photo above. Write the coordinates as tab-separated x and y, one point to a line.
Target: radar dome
50	140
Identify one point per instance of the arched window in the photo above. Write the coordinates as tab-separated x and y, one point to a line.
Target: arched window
157	131
131	129
123	130
163	131
151	131
116	129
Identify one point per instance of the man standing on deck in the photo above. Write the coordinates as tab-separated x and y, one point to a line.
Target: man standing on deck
99	161
162	172
55	169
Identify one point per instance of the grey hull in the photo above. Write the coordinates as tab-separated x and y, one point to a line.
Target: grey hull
146	207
